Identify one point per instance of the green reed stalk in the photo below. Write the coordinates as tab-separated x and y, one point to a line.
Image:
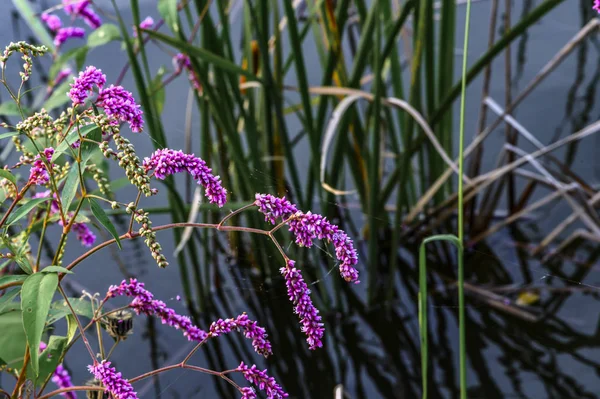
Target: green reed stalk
456	241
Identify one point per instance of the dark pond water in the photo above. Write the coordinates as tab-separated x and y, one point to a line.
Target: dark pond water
373	351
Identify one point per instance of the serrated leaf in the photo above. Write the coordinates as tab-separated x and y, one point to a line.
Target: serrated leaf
12	339
70	187
35	23
104	220
56	269
8	134
168	10
58	98
6	301
9	176
104	34
36	296
60	309
24	210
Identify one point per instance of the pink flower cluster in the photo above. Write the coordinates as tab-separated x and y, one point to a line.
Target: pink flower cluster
39	173
308	226
249	328
262	380
596	5
166	162
118	103
119	387
73	8
299	294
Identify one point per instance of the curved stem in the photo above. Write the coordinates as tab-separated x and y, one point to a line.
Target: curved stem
71	389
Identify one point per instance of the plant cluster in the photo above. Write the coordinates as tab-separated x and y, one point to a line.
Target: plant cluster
61	157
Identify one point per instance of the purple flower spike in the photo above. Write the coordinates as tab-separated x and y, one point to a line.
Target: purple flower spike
120	104
52	21
114	383
39	173
308	226
91	18
74	7
84	234
596	5
84	84
299	294
145	303
61	377
147	23
263	381
248	393
166	162
181	62
63	34
250	328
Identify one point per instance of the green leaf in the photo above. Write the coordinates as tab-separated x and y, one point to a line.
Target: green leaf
168	10
9	108
36	296
50	358
9	134
12	339
12	278
71	138
104	34
104	220
215	60
35	23
6	301
7	175
157	90
59	97
71	327
76	53
23	264
24	210
56	269
88	147
70	187
60	309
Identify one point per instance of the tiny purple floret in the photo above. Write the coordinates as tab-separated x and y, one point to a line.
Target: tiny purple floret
39	173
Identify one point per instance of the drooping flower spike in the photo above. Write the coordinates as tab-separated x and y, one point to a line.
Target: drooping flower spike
39	173
113	381
64	34
596	5
166	162
308	226
262	380
144	303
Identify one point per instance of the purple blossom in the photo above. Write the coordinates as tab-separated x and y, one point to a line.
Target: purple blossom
63	34
74	7
181	62
249	328
114	383
61	377
145	303
248	393
84	234
39	173
147	23
166	162
262	380
120	104
596	5
91	18
308	226
52	21
84	84
299	294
